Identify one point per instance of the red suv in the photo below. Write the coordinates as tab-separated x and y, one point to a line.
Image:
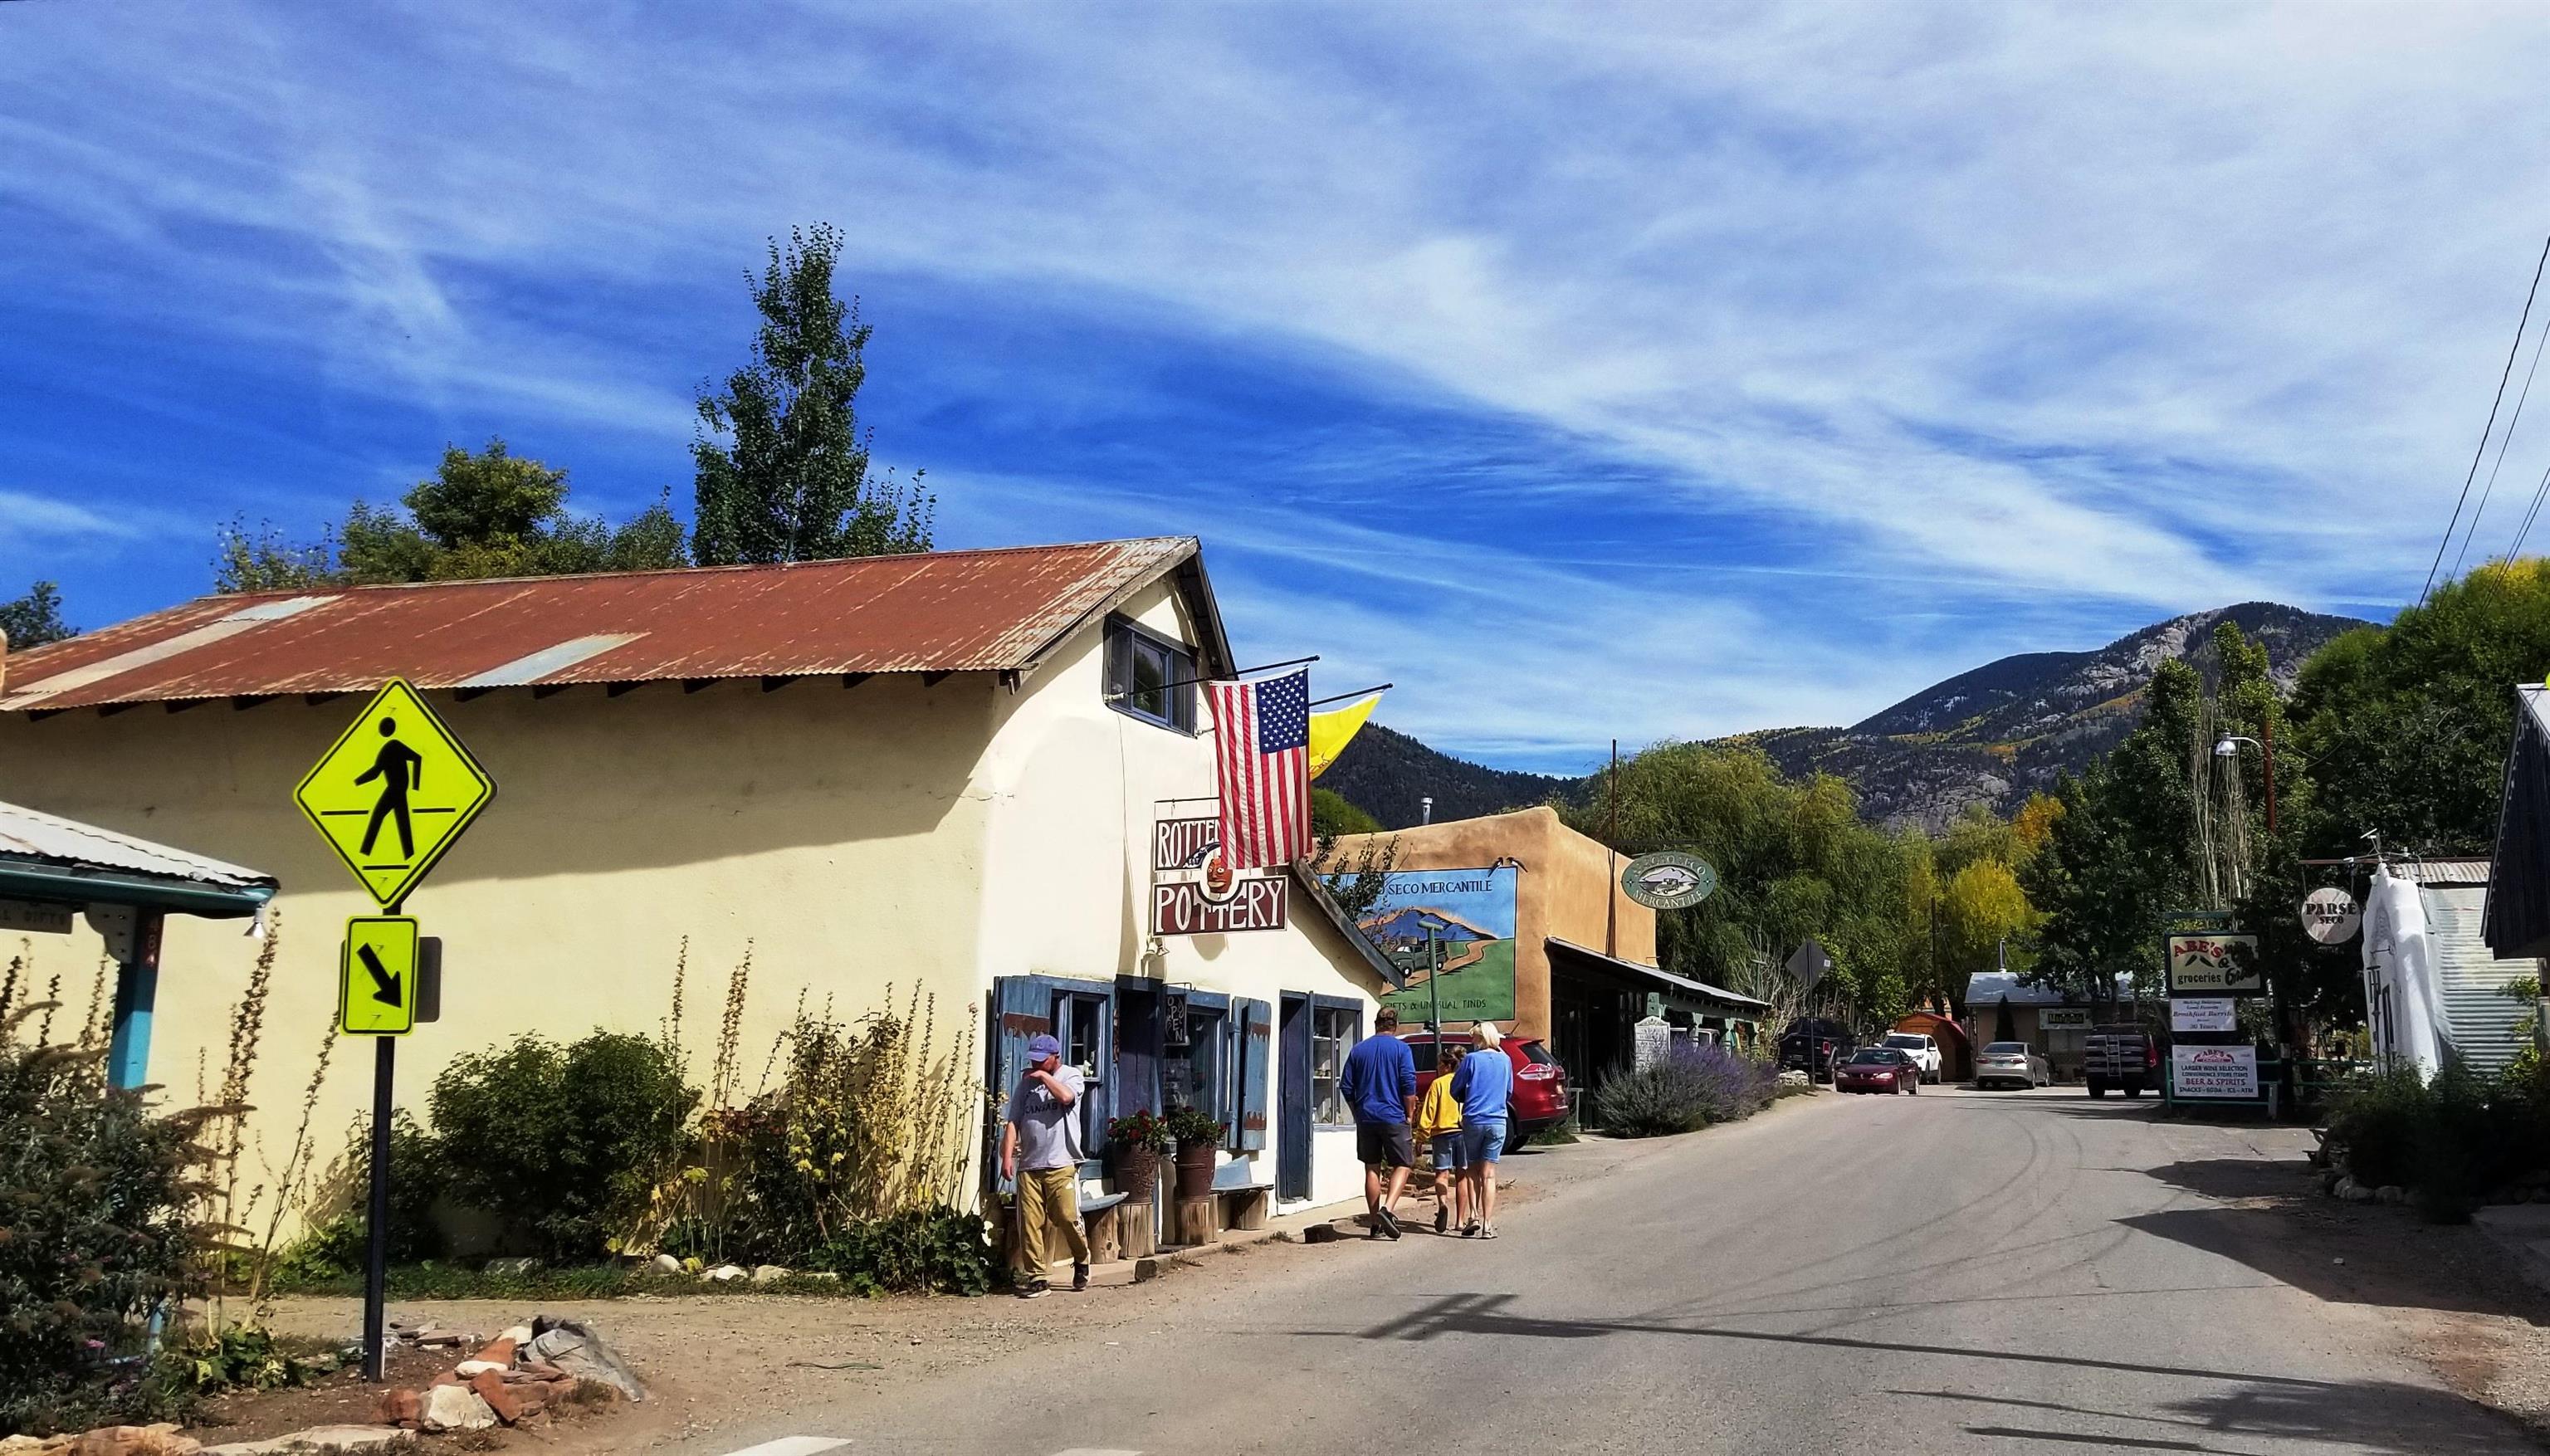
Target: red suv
1539	1082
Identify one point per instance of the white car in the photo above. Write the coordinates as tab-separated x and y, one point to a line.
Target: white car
1918	1045
2011	1063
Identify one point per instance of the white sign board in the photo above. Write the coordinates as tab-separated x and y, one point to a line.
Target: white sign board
2214	1071
2064	1017
2330	916
2204	1013
2211	964
1654	1044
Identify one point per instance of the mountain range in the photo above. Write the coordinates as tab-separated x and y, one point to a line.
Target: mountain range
1990	736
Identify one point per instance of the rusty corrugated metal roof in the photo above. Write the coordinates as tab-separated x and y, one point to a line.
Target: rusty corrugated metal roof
939	612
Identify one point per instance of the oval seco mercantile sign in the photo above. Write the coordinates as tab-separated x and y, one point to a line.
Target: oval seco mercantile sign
1668	880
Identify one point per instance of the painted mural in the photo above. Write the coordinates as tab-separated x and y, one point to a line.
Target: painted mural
1471	914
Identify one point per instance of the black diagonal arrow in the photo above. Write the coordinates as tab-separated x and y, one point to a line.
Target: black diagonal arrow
385	986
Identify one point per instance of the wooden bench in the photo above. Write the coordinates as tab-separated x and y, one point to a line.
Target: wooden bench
1245	1203
1101	1221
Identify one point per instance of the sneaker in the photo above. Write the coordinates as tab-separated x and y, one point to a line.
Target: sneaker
1080	1278
1470	1229
1443	1216
1388	1223
1488	1232
1036	1288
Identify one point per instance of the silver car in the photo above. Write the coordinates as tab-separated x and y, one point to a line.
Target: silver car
2011	1063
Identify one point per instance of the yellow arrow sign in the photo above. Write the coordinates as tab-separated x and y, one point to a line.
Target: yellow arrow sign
393	791
376	983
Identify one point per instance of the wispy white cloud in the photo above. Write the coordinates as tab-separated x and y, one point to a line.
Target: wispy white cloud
2078	311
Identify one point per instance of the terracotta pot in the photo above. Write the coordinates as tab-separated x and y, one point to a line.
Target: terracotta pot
1195	1170
1137	1172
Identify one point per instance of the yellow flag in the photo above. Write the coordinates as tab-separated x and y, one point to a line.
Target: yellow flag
1331	732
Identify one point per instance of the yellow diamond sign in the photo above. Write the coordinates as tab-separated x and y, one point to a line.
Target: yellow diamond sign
393	791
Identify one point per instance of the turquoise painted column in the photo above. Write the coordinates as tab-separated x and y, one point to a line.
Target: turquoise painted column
137	993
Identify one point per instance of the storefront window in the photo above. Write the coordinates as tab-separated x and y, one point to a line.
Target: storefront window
1333	1033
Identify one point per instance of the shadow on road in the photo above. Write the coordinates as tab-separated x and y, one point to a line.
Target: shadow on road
2263	1213
2371	1416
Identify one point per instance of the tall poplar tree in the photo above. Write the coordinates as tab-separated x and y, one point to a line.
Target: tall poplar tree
782	466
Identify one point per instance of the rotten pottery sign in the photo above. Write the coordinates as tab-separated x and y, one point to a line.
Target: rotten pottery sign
1194	891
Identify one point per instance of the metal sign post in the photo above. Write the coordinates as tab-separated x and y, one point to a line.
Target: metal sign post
390	796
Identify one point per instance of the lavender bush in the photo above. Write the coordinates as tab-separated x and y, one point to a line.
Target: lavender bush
1687	1091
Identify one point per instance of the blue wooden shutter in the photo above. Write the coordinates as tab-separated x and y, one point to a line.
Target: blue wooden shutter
1021	1007
1256	1023
1292	1100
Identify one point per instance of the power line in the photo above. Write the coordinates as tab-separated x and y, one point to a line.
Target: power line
2503	375
2538	492
2503	442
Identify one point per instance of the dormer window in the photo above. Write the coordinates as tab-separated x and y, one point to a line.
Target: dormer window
1149	676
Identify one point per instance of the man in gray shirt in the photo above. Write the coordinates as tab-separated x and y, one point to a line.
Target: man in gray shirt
1040	1152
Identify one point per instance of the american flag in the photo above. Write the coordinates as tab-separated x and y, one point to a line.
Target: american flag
1262	761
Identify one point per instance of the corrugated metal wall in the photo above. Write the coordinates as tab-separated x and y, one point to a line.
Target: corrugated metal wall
2479	1022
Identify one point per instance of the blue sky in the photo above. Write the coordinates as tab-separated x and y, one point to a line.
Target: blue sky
1588	370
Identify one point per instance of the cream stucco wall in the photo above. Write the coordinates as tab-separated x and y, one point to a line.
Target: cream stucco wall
835	833
888	835
1068	860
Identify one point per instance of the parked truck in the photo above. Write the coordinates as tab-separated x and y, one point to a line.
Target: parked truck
2124	1057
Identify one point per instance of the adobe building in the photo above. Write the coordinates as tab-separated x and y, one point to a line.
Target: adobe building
950	773
1535	934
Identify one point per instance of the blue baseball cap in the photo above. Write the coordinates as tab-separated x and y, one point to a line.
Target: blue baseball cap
1040	1047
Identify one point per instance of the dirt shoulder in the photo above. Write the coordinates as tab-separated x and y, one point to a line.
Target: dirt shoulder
2453	1297
711	1359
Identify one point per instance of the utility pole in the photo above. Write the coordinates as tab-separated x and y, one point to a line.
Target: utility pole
1612	857
2267	751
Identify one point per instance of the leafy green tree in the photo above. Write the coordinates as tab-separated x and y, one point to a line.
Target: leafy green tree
482	513
2405	730
781	463
1795	862
1331	816
2119	855
36	618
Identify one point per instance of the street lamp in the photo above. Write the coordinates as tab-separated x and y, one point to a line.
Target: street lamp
2229	748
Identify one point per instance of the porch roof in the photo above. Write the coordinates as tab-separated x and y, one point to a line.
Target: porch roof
1679	990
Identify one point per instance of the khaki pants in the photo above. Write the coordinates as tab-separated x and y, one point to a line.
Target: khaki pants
1048	1200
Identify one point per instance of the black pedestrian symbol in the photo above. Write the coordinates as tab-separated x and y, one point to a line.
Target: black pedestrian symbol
399	768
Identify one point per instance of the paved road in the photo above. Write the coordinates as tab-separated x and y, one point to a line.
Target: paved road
1950	1273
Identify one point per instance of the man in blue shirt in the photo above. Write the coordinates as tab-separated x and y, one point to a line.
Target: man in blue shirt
1484	1082
1379	1085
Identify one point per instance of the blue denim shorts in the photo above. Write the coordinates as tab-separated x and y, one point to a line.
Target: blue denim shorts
1484	1141
1452	1154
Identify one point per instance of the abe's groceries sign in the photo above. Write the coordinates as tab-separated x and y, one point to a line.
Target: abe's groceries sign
1193	893
2207	964
2214	1071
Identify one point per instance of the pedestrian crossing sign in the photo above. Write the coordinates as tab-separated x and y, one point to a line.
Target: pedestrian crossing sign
393	791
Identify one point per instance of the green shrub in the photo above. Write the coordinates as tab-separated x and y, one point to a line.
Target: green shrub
560	1143
1683	1093
242	1357
2451	1141
2380	1124
95	1226
941	1250
337	1240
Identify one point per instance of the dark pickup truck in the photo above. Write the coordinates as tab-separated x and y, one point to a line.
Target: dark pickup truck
2124	1057
1816	1045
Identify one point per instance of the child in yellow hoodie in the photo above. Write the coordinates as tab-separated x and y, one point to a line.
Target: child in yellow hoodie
1438	1127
